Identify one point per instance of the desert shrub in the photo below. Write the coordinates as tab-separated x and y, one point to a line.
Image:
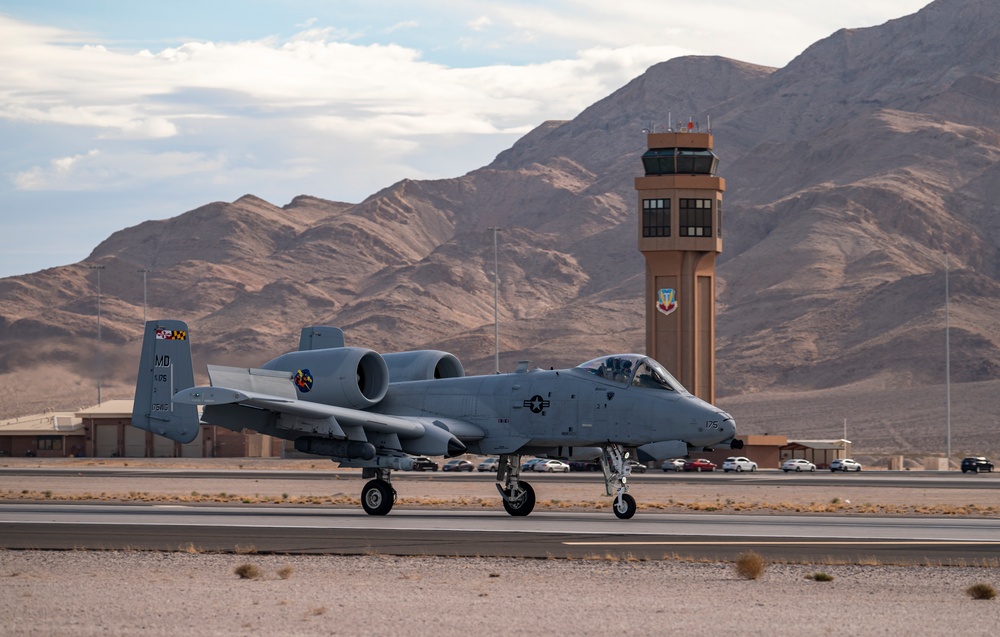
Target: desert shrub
821	577
981	591
750	565
285	572
248	571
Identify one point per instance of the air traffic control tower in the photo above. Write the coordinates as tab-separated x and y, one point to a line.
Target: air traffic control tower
680	232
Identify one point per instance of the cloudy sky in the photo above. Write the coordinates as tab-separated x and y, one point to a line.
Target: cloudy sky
115	112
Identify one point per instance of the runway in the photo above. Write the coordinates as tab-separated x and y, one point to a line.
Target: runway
300	530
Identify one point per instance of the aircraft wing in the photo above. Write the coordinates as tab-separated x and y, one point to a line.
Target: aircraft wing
370	421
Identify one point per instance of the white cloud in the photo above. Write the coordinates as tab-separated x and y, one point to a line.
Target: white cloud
480	23
339	110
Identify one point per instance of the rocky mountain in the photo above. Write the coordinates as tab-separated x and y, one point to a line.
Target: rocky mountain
851	173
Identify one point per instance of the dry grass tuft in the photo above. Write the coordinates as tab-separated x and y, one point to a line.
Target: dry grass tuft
820	577
248	571
981	591
750	565
285	572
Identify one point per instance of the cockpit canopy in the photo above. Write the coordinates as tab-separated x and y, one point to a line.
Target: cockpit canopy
633	369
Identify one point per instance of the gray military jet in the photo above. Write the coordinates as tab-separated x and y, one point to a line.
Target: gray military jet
376	412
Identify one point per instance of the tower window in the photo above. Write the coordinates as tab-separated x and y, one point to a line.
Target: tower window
695	217
656	217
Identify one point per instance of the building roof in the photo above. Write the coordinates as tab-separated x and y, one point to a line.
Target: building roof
817	444
55	422
108	409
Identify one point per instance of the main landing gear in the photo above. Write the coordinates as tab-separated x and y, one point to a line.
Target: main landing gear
518	497
377	496
614	461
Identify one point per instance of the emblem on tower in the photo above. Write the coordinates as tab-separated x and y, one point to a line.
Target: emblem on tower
666	300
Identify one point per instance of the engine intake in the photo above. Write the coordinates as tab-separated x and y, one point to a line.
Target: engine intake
424	364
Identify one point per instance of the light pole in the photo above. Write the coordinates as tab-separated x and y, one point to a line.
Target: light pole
947	357
496	315
100	362
144	272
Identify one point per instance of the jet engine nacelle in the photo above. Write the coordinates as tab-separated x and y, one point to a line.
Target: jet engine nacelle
352	377
425	364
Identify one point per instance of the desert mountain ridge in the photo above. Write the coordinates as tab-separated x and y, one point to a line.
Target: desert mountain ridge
851	173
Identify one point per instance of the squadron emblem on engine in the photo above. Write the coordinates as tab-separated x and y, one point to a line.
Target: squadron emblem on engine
303	380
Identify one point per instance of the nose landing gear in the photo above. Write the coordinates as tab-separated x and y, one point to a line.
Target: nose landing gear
614	461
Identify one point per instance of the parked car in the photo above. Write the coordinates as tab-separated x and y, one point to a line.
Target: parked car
845	465
585	465
458	464
797	464
529	465
423	463
738	463
674	464
636	466
976	464
550	466
490	464
700	465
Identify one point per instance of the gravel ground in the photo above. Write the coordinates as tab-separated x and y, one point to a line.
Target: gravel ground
133	593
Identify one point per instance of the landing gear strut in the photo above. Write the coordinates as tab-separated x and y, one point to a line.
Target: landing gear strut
614	461
377	496
518	497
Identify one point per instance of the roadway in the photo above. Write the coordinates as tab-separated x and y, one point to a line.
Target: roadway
290	529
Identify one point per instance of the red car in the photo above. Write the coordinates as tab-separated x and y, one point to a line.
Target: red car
700	465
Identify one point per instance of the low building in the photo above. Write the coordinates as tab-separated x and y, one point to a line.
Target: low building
50	435
106	431
764	449
819	452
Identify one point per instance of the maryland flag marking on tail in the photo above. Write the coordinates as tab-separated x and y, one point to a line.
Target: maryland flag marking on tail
171	335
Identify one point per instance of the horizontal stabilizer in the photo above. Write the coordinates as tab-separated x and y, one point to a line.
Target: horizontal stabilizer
262	381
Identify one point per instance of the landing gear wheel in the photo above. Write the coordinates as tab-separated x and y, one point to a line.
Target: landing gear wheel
378	497
523	505
624	506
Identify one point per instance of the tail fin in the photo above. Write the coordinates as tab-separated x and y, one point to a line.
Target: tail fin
164	369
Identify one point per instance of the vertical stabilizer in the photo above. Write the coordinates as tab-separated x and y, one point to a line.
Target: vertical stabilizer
320	337
165	368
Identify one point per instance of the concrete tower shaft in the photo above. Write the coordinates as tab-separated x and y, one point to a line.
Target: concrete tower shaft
680	233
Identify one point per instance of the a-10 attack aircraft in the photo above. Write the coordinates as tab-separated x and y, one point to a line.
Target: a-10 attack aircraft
376	412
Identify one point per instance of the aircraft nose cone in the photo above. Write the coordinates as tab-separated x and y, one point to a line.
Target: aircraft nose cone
729	426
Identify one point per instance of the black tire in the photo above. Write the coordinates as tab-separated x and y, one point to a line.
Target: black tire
522	507
624	507
813	470
377	497
753	469
798	469
739	469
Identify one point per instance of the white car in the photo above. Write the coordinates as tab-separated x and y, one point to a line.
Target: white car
845	465
797	464
490	464
738	463
674	464
551	466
